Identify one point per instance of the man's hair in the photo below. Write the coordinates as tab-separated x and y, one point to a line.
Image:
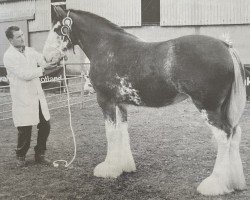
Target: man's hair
10	30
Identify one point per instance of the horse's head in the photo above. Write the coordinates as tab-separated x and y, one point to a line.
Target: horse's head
60	37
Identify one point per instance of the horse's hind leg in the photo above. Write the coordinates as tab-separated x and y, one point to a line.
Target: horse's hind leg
237	175
119	156
227	174
219	181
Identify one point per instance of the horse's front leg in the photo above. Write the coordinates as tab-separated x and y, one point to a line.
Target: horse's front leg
119	156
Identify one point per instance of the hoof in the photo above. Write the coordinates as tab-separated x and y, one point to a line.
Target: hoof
129	167
107	170
239	184
212	186
241	187
238	179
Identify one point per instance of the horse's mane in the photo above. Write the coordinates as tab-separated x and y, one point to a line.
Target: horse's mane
107	22
58	14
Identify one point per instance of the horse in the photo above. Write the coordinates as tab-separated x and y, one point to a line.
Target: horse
126	70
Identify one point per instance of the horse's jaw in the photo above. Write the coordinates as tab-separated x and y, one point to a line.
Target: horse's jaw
51	55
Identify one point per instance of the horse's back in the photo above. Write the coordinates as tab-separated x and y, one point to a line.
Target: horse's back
200	49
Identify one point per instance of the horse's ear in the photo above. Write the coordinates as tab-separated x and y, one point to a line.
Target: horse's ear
54	15
57	13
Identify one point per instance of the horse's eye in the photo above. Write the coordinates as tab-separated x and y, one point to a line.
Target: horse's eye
57	31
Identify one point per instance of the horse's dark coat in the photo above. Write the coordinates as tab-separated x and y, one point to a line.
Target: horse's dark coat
126	70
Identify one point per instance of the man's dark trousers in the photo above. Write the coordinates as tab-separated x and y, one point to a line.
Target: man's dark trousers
24	136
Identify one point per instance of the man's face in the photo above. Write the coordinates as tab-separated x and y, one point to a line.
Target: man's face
18	39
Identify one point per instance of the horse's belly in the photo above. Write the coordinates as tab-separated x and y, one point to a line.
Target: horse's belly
179	98
164	100
158	93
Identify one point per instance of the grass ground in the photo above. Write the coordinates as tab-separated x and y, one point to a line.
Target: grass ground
172	149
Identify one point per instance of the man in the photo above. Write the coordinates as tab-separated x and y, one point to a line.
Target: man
29	107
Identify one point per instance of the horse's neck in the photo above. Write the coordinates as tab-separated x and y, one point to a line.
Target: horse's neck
92	42
93	38
88	45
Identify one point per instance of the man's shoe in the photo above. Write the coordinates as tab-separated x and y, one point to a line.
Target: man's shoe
21	161
40	159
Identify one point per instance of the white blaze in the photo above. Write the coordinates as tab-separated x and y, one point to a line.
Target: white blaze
54	45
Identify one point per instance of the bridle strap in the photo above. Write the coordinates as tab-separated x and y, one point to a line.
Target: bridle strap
67	23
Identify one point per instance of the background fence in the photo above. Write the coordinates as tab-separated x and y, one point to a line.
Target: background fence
55	91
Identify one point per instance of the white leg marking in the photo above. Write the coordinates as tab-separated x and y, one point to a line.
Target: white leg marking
111	167
119	156
128	163
237	175
219	181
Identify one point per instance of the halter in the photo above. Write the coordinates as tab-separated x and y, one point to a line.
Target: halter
66	28
65	31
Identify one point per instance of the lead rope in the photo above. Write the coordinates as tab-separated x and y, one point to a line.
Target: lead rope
55	163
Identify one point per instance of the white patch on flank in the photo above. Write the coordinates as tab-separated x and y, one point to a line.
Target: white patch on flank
110	56
168	62
119	156
125	89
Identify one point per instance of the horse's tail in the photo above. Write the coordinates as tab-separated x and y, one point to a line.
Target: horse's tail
236	102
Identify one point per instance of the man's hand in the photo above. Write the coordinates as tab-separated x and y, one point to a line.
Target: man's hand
50	66
53	65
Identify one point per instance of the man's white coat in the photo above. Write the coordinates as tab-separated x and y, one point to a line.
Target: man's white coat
25	87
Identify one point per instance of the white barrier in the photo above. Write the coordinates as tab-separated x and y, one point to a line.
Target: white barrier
56	96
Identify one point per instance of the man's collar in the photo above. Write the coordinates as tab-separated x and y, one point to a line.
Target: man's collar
21	49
